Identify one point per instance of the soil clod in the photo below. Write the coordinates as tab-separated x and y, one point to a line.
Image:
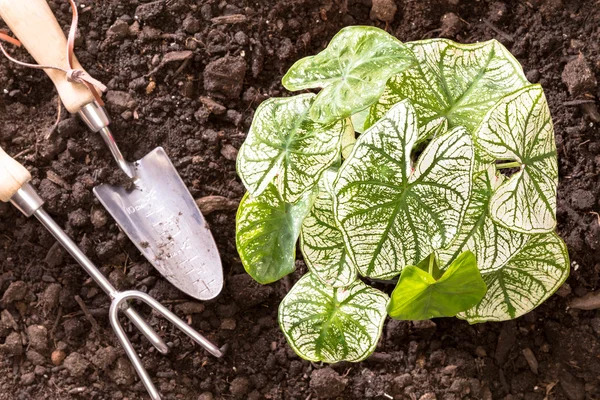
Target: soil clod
326	383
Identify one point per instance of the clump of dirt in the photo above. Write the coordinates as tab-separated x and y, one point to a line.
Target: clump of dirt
188	76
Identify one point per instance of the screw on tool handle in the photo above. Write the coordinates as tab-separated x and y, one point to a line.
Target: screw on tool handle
12	176
35	25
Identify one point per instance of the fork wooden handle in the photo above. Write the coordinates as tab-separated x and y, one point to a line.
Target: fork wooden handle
35	25
12	176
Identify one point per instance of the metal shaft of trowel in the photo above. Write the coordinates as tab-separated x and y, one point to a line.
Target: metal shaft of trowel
97	120
29	203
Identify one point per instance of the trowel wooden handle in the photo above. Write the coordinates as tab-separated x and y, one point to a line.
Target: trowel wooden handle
12	176
34	24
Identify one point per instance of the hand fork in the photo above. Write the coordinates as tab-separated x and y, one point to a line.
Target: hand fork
15	188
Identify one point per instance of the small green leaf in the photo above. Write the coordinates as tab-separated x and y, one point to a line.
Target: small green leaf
452	81
526	280
352	71
391	213
322	243
348	139
322	323
286	147
267	229
419	296
430	265
519	128
359	120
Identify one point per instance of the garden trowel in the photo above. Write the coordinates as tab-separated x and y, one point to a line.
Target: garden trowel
157	212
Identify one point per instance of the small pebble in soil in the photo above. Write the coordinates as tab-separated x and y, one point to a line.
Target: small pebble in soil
578	76
327	383
57	357
206	396
383	10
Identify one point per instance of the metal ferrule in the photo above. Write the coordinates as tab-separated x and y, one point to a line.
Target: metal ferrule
94	116
27	200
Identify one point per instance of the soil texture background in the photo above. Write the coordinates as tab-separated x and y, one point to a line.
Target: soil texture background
187	75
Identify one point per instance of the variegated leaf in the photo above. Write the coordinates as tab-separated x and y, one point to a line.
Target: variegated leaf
322	323
452	81
322	243
352	71
526	280
391	213
267	229
519	128
492	244
286	147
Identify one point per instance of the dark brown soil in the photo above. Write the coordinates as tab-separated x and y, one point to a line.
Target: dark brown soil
157	99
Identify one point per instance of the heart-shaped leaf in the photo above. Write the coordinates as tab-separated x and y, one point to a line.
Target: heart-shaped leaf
352	71
418	295
323	323
519	128
390	214
457	82
492	244
322	243
526	280
267	229
285	146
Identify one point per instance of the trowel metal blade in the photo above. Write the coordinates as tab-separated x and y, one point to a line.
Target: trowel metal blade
160	216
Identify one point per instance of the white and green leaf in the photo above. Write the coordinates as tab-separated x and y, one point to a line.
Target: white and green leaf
352	71
392	213
323	323
519	128
322	243
267	229
526	280
419	295
286	147
492	244
452	81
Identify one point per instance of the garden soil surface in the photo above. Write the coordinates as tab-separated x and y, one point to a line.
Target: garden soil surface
188	75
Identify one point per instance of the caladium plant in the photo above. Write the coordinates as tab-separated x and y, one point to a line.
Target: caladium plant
449	189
